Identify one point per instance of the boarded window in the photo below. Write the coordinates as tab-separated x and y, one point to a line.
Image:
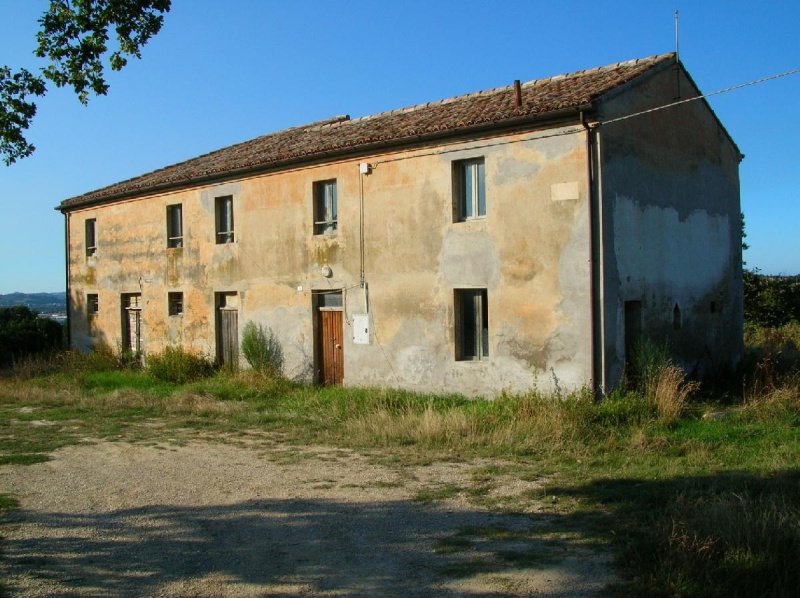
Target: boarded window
175	225
325	208
224	219
469	189
471	324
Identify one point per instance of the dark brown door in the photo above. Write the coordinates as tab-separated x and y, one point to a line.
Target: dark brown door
331	350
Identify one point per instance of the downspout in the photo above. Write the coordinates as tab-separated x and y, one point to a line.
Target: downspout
595	337
66	278
364	168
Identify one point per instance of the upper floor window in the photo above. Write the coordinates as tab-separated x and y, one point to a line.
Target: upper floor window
224	219
469	189
175	225
325	209
91	236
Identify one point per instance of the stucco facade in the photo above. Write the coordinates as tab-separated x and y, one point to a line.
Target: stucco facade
578	221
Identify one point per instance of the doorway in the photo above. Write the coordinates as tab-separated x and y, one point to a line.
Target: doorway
227	312
132	323
329	336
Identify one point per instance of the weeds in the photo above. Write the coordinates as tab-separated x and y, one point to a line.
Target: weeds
640	460
178	366
262	350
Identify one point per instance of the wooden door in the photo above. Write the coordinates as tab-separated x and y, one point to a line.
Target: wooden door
134	340
132	323
229	336
331	346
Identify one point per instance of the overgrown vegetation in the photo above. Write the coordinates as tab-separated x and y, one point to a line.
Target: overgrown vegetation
23	333
698	496
771	301
176	365
262	349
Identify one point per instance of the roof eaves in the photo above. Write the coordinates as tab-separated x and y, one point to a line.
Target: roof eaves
339	153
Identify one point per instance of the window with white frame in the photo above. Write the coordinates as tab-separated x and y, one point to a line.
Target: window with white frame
471	324
175	225
469	189
91	236
224	219
325	208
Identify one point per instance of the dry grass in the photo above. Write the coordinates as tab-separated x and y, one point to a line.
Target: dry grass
672	393
747	539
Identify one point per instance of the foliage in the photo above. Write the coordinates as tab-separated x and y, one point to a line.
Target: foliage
771	300
647	361
262	349
74	39
178	366
24	333
17	111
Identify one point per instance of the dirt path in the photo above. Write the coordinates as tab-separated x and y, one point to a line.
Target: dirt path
212	519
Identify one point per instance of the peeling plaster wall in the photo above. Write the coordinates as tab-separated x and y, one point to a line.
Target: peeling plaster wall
671	227
531	253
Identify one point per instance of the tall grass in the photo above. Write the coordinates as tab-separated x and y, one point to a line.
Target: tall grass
661	383
738	542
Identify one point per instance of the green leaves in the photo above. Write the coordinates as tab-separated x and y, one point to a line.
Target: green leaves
74	38
17	111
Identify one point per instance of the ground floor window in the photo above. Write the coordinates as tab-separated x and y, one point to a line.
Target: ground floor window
471	324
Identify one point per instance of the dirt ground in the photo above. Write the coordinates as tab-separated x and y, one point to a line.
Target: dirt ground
266	519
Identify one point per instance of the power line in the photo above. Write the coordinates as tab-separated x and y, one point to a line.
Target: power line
700	97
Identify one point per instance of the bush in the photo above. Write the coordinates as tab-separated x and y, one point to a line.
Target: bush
771	300
262	349
178	366
661	383
23	333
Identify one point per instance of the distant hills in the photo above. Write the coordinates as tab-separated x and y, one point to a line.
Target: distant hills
51	304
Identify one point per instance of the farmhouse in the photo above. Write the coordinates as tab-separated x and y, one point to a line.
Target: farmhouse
516	238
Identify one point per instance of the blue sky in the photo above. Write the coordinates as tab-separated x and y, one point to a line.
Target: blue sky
221	72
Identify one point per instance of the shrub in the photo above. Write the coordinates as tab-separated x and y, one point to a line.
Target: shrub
661	383
24	333
672	393
647	362
262	349
178	366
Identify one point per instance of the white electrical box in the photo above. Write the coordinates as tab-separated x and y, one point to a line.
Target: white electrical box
361	329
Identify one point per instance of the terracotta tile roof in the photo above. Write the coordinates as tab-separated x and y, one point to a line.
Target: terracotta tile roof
492	108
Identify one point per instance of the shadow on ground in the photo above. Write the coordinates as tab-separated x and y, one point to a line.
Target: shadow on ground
287	547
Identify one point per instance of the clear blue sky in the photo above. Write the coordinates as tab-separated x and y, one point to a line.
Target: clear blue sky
221	72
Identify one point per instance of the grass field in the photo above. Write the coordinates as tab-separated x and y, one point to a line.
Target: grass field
699	494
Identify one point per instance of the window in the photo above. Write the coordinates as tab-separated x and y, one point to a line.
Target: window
92	309
175	304
175	225
471	324
469	189
91	236
224	218
325	211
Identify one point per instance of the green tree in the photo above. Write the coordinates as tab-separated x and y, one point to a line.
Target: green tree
23	333
74	39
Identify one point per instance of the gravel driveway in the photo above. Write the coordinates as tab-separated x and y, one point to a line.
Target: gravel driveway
213	519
